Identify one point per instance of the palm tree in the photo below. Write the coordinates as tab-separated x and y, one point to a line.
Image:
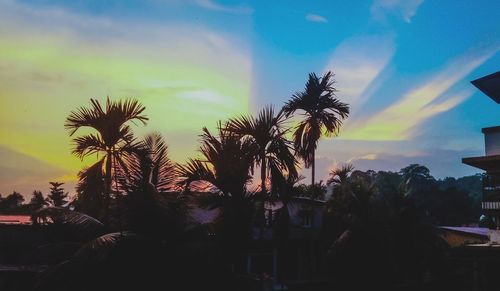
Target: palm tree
148	205
91	190
150	166
226	163
114	138
323	115
266	132
225	166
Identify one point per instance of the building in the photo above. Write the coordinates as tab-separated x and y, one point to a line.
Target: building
490	162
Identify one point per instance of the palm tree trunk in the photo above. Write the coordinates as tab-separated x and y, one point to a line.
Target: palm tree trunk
313	164
107	196
263	174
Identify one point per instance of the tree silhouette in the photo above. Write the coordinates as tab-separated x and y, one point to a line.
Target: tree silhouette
149	207
225	166
226	163
323	114
114	138
38	201
57	197
91	191
267	133
150	166
11	202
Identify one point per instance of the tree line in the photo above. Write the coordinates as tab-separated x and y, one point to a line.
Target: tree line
131	206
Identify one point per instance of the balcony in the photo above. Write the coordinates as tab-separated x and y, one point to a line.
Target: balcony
491	192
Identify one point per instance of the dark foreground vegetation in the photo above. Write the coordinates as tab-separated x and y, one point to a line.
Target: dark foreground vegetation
130	225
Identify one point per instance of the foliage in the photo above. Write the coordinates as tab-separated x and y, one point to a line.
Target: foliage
114	139
91	190
80	225
57	197
226	163
266	135
322	114
38	201
11	203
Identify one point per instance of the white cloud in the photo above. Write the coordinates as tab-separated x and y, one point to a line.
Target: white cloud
316	18
404	9
357	62
212	5
400	120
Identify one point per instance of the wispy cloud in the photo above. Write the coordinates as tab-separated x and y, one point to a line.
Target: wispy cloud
24	173
316	18
404	9
53	57
357	62
212	5
400	120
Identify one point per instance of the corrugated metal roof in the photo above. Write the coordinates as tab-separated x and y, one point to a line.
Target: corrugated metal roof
15	219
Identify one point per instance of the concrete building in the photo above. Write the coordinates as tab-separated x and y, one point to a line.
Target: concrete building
490	162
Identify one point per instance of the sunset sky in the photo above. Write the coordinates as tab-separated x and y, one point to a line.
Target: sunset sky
404	66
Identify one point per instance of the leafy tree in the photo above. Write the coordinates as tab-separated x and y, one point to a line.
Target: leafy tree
38	201
323	115
57	197
12	202
113	139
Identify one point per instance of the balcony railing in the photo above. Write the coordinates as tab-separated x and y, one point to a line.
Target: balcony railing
491	192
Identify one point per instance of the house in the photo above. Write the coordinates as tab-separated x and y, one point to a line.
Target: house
490	162
284	249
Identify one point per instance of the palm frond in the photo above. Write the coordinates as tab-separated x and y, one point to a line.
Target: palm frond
82	223
84	116
340	175
87	145
100	248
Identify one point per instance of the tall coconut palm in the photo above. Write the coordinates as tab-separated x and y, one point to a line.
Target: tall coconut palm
113	138
323	115
267	133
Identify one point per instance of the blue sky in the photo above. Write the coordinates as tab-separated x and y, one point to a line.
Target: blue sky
404	66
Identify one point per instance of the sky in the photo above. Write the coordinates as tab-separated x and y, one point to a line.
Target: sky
404	66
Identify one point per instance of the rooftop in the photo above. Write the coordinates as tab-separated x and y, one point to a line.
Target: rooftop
486	163
489	85
15	219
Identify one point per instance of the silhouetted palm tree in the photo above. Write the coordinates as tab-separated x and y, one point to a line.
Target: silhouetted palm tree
91	190
149	206
323	114
150	166
226	163
114	137
267	133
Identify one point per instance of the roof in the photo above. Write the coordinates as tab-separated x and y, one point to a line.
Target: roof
491	129
487	163
15	219
489	85
308	200
475	231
